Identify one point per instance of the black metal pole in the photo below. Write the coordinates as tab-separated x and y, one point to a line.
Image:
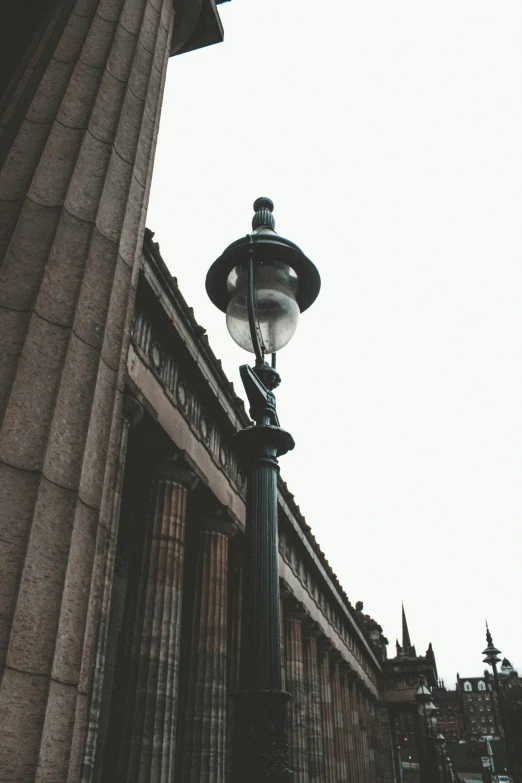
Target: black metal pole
507	736
260	747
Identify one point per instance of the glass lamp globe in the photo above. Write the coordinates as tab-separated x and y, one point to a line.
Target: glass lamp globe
276	311
433	721
426	708
285	284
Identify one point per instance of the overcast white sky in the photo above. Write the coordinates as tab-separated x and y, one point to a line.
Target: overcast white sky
389	135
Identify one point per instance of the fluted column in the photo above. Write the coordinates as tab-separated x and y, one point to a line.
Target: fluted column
388	769
372	739
313	705
206	713
295	684
357	757
131	416
327	714
339	727
360	731
149	734
364	734
237	565
282	642
74	186
351	750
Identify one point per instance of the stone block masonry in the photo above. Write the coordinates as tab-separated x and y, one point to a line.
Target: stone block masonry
73	193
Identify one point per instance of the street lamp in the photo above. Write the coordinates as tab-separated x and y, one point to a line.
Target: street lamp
491	654
262	282
428	711
444	759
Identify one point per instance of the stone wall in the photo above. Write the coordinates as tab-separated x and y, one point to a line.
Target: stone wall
79	116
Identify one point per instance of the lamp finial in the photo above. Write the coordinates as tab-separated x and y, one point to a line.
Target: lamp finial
488	634
263	218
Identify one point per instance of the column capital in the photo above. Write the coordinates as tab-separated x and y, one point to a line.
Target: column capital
353	678
323	645
311	630
337	658
178	467
347	670
292	608
131	410
220	520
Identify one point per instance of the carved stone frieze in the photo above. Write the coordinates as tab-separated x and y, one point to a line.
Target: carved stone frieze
184	396
308	577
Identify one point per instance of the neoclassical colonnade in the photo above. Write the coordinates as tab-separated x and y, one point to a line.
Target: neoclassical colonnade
168	657
169	641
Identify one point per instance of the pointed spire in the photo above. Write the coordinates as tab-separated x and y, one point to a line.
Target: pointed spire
406	643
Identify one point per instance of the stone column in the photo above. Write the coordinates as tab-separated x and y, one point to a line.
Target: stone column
237	565
147	751
372	738
73	192
295	684
327	713
313	705
389	771
206	713
363	712
131	416
359	732
282	642
358	766
339	727
346	677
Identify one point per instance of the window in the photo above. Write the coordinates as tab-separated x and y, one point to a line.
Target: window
467	686
482	685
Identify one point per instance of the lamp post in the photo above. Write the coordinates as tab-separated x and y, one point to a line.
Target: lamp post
491	654
427	711
451	776
262	282
444	759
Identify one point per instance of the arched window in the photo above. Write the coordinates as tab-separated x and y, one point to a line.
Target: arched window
467	686
482	685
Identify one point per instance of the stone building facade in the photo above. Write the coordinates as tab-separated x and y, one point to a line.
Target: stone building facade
181	484
478	705
81	88
122	501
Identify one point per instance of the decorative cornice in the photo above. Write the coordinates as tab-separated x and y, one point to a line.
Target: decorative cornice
196	25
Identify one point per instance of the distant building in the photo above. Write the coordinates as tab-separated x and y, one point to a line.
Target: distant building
477	703
450	715
401	683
